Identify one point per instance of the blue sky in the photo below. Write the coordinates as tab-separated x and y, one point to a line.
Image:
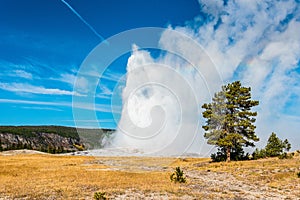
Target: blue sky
43	44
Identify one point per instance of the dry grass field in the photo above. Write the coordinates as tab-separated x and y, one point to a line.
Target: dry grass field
44	176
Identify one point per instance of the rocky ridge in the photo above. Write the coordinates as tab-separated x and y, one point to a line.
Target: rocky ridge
46	142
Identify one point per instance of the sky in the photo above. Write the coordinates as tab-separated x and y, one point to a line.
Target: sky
45	44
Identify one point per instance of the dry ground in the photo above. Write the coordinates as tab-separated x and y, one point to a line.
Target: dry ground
24	175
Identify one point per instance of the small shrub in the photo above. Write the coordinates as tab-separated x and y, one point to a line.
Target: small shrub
298	174
178	176
100	196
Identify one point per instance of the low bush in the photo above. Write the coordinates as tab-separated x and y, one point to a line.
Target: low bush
100	196
178	176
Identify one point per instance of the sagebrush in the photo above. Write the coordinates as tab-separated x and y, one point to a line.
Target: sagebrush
100	196
178	176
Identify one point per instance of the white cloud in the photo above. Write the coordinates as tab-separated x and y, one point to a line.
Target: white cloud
257	42
15	101
93	121
111	76
21	74
41	108
105	90
84	106
66	78
104	93
27	88
14	70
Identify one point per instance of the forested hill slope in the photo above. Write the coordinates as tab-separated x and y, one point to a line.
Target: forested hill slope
51	139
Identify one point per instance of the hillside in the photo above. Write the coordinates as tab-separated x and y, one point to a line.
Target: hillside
51	139
44	176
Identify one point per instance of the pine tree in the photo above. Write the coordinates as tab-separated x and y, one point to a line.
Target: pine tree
229	123
275	146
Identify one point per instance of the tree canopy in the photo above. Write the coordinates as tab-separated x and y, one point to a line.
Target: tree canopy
230	121
276	146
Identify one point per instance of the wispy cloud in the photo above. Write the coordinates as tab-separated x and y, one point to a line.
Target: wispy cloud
104	93
113	76
255	41
9	69
41	108
21	74
103	96
93	121
66	78
18	101
86	106
97	107
27	88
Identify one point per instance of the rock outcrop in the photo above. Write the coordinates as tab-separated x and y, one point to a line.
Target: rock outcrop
47	142
51	139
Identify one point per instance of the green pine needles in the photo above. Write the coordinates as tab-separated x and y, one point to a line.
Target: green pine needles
229	119
274	148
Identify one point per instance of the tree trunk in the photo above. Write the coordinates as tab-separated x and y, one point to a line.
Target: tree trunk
228	154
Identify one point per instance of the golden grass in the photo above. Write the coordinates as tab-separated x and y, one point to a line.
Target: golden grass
43	176
73	177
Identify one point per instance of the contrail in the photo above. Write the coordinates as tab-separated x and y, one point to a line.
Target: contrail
85	22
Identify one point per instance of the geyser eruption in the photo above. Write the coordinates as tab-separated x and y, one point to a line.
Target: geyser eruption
162	97
155	108
162	102
256	42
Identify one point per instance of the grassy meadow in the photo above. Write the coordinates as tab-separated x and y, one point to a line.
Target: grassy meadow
45	176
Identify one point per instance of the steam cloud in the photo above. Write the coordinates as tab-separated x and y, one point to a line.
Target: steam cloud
256	42
162	98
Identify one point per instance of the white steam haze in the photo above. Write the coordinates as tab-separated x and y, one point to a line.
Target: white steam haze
257	42
161	108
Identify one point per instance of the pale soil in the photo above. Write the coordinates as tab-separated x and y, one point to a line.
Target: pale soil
207	184
126	177
20	152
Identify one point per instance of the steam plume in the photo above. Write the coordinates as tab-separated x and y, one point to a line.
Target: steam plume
256	42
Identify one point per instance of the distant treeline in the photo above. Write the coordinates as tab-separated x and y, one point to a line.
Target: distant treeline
29	131
51	139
